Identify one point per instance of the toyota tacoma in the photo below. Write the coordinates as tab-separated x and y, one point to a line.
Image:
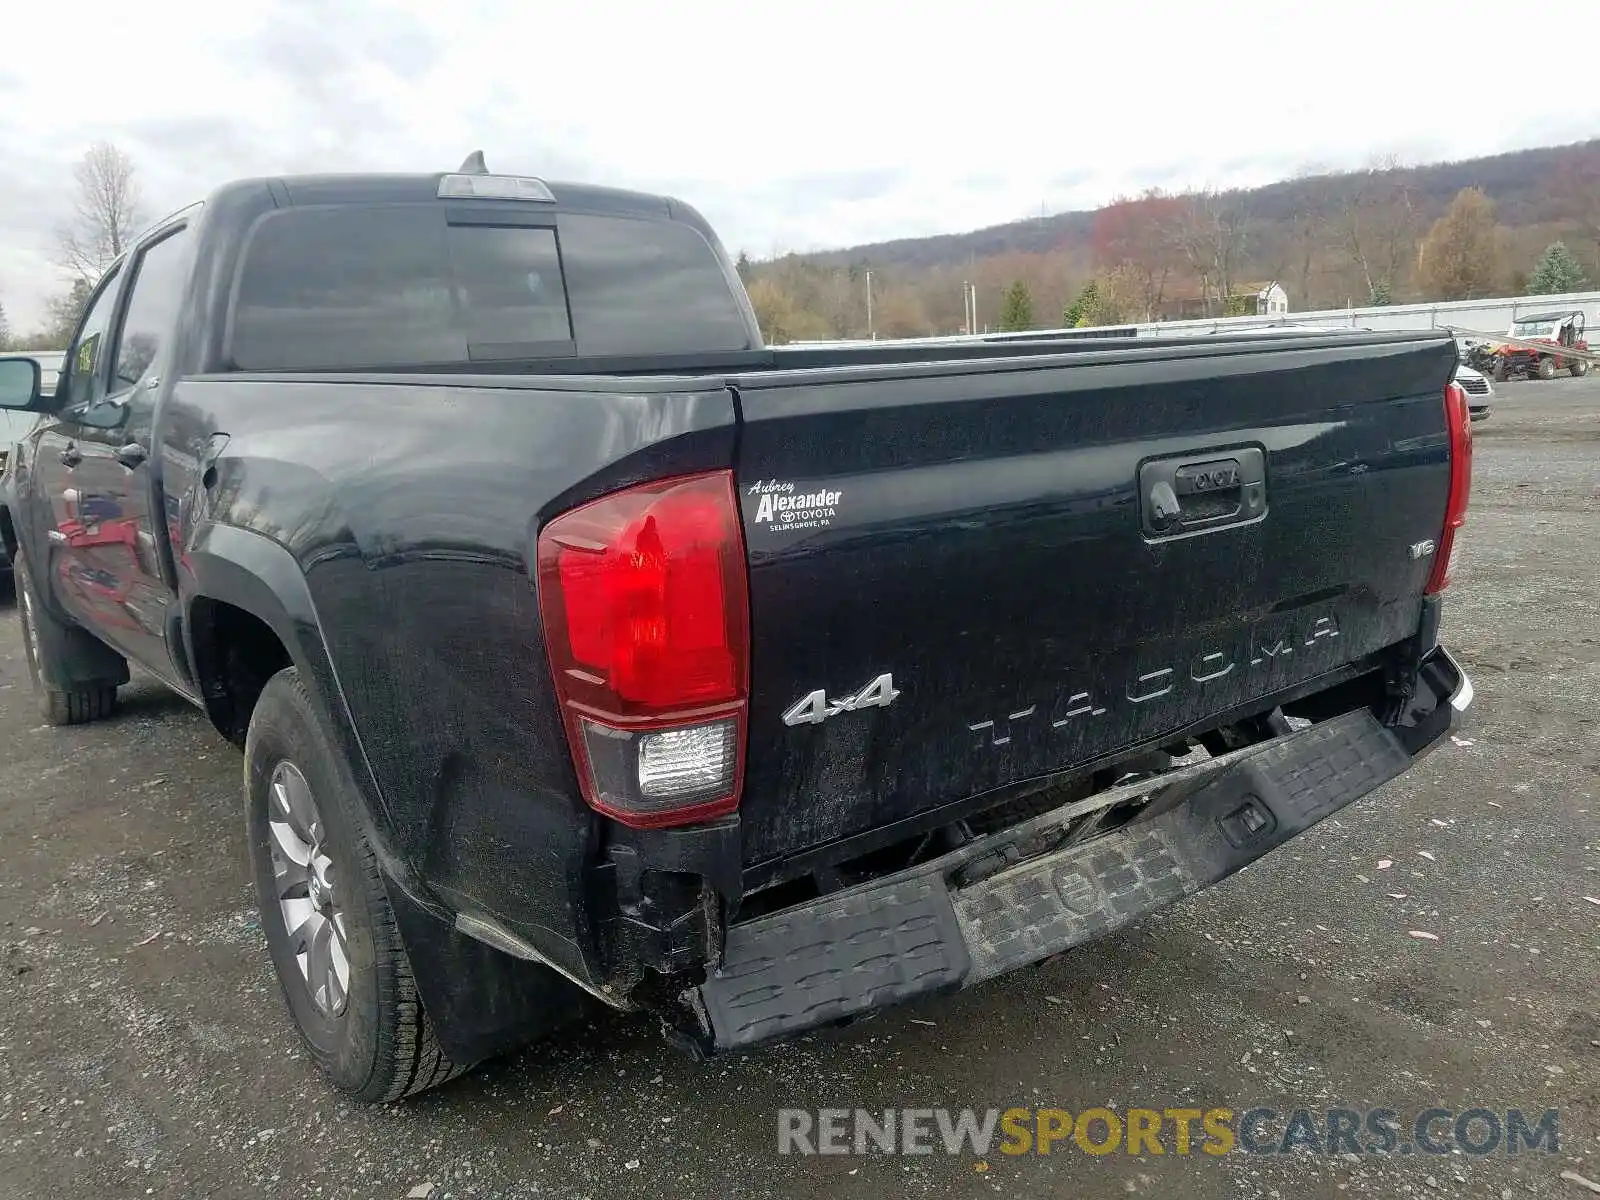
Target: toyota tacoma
582	647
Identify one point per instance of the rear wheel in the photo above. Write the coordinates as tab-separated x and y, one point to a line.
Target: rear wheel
1547	367
330	930
1580	368
45	642
1500	370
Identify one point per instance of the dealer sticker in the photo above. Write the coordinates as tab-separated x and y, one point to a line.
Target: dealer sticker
785	506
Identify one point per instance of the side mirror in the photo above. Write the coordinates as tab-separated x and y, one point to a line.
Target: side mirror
19	384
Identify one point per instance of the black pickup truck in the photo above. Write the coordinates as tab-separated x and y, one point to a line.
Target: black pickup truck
577	642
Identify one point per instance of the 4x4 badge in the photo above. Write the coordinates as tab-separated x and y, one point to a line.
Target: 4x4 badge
815	708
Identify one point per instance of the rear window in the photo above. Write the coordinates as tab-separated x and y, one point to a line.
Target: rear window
647	287
350	287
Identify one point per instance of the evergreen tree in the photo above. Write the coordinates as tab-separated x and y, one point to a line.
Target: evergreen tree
1557	272
1082	311
62	315
1017	313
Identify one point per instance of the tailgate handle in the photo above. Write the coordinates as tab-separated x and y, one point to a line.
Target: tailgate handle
1199	492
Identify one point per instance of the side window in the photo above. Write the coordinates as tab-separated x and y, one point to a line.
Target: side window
152	309
86	354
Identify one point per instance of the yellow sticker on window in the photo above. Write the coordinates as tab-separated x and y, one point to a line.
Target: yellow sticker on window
86	352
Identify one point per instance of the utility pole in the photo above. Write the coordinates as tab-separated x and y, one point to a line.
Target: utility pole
970	296
870	333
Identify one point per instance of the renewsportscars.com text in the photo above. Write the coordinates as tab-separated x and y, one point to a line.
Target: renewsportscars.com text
1143	1131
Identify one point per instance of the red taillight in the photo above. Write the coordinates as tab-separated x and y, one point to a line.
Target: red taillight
647	619
1458	418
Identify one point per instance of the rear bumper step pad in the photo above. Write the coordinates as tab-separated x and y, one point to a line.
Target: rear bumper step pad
917	934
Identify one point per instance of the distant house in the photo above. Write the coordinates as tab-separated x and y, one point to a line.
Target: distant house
1267	299
1271	299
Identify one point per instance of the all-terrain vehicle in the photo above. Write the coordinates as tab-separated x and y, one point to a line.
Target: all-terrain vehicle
1561	330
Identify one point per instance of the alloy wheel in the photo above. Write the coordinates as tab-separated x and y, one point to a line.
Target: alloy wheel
309	896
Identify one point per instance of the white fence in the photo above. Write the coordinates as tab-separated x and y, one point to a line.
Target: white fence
1494	316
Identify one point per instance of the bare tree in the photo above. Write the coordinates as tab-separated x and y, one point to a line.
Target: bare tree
1138	237
1302	254
1212	231
105	213
1576	188
62	313
1304	235
1379	228
901	312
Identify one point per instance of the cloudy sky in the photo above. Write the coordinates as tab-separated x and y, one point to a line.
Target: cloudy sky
792	126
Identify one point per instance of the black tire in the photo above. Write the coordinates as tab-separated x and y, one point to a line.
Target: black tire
1547	368
44	639
1580	368
1500	370
380	1046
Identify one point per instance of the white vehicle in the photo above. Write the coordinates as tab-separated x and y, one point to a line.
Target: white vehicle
15	425
1478	389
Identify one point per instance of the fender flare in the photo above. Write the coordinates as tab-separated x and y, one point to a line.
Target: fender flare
261	577
480	1000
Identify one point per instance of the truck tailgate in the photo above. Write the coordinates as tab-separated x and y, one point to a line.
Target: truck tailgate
1053	560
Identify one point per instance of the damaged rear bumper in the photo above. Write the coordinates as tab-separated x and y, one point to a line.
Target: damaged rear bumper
935	928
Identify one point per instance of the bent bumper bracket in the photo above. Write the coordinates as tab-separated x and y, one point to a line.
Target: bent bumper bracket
918	933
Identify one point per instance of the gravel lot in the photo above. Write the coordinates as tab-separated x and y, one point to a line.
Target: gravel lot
144	1049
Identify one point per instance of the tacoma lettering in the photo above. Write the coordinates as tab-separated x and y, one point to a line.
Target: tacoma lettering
1265	646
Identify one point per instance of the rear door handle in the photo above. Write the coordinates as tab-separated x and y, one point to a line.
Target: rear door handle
72	456
1201	491
132	455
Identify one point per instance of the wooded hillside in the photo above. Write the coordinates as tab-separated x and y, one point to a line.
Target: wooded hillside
1388	234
